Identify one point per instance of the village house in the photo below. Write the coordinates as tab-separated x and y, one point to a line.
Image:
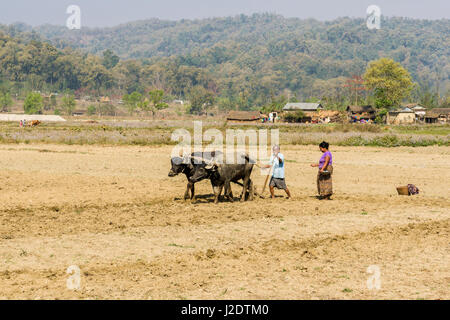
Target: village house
361	113
401	116
244	116
437	115
419	110
302	106
309	110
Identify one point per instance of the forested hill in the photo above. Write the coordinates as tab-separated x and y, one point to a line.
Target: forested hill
264	54
338	38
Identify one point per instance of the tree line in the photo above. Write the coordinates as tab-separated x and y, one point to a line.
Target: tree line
245	62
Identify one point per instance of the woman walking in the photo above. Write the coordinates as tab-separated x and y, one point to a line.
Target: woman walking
324	180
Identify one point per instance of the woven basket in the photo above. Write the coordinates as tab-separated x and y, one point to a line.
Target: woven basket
403	191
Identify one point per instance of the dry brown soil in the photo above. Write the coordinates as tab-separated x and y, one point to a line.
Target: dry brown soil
114	212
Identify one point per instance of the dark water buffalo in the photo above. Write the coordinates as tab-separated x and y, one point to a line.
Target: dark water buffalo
221	175
188	166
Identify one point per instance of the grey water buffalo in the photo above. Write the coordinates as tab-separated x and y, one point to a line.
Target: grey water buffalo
221	175
188	166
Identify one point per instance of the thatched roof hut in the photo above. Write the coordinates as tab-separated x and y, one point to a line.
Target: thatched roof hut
439	111
437	115
244	116
356	113
361	109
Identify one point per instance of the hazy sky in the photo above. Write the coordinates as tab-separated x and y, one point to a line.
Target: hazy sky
113	12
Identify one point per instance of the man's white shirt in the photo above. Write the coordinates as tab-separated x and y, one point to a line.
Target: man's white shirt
278	168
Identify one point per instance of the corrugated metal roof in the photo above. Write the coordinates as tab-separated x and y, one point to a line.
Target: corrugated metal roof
414	106
301	106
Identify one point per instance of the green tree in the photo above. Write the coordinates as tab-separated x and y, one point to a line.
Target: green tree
226	103
425	96
106	109
276	104
33	103
5	101
446	101
91	110
200	98
68	103
110	60
133	101
53	101
381	115
156	99
390	82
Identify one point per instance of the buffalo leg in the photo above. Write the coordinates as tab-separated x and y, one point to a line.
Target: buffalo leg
217	193
250	190
186	194
192	191
244	188
228	192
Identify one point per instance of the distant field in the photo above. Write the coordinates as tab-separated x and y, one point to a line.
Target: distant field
158	132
